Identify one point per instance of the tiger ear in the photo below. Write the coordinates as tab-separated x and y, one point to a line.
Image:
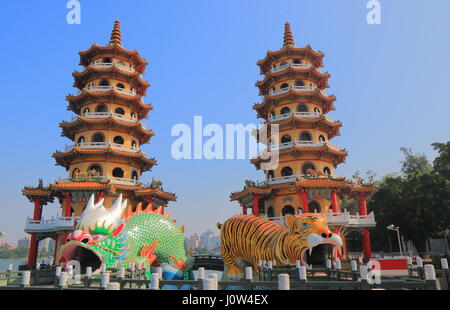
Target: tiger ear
289	218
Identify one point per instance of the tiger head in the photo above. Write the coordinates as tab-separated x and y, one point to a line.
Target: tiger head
309	230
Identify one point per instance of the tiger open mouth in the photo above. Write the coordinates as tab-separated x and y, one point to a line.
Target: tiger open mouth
78	251
314	240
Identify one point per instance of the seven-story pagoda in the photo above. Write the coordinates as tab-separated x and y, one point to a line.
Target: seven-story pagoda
105	157
294	99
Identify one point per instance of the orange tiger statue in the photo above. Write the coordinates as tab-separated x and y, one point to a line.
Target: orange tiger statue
248	239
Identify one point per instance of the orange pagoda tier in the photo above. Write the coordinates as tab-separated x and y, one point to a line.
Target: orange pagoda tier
105	157
295	100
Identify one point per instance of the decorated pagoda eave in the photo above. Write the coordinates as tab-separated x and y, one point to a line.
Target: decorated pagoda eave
77	102
96	51
308	52
156	193
296	120
320	78
70	128
65	158
251	191
43	194
82	78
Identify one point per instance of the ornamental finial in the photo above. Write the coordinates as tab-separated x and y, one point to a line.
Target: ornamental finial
116	36
288	38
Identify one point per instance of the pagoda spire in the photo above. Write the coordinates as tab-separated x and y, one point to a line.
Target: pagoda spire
288	37
115	34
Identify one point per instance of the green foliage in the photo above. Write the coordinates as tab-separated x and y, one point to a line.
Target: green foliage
418	201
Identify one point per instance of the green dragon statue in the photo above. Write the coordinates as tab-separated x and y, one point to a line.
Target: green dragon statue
117	238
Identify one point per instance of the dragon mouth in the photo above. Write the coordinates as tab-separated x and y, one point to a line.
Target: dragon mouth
77	251
334	242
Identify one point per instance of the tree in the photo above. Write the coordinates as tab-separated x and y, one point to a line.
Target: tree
414	162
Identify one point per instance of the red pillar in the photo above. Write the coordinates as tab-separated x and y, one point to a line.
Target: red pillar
304	197
100	196
255	209
334	201
367	248
68	206
33	250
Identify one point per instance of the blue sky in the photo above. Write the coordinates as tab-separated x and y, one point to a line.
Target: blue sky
390	81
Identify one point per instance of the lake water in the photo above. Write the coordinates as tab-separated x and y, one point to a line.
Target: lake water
17	262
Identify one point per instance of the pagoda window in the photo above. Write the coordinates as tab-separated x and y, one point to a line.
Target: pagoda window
80	140
306	167
75	172
120	111
317	110
270	212
272	114
287	210
118	140
86	111
120	85
135	175
101	108
305	136
270	174
283	64
98	137
286	139
117	173
321	138
286	171
133	115
107	60
302	108
297	61
327	170
284	85
133	143
104	83
299	83
97	168
314	206
285	110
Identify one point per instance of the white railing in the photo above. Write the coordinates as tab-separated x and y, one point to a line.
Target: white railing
286	89
280	180
121	117
339	218
103	145
49	225
300	114
285	66
111	64
287	145
123	181
106	88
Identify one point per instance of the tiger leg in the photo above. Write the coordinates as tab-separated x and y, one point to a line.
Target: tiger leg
234	272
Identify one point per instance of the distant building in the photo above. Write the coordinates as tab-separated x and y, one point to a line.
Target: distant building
24	243
8	245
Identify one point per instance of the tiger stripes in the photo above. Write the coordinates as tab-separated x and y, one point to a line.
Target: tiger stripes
251	238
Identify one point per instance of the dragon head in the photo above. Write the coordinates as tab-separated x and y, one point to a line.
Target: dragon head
99	237
308	231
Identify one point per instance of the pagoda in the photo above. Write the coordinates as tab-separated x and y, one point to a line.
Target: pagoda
304	181
107	134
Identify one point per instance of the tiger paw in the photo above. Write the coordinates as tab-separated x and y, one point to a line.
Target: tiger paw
235	274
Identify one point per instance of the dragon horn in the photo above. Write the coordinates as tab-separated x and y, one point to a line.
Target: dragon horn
100	203
91	203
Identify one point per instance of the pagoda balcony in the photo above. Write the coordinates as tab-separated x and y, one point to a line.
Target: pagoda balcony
299	114
104	145
285	66
50	225
123	181
106	88
113	64
280	180
340	218
118	116
294	87
287	145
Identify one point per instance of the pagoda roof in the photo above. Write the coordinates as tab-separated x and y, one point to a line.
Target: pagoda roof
64	158
251	190
135	127
326	102
81	78
290	71
85	97
157	193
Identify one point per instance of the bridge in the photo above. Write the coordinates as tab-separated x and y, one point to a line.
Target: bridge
209	262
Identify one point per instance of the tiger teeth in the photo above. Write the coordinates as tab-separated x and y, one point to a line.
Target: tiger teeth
310	250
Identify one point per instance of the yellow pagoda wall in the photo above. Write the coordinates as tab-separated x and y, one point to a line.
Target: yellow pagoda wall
107	166
111	107
109	135
293	107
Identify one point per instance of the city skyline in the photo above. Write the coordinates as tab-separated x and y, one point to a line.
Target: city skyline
381	96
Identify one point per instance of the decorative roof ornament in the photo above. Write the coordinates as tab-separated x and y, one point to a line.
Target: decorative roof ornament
96	214
288	37
116	36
